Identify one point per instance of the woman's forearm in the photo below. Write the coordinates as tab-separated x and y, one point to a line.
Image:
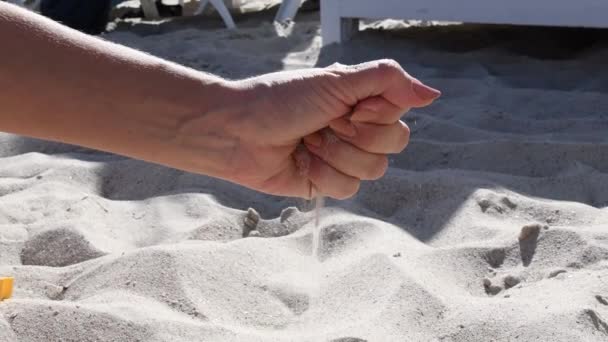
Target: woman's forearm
59	84
286	133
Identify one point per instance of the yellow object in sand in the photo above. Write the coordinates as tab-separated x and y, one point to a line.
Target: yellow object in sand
6	287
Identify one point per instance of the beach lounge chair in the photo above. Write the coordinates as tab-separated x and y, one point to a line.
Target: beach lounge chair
287	10
149	9
33	5
151	12
340	18
221	8
89	16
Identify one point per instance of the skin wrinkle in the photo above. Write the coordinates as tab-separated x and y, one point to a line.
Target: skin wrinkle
348	100
320	94
275	116
219	144
329	89
387	72
238	121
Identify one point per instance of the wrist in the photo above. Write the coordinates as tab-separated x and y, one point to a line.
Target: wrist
180	124
202	137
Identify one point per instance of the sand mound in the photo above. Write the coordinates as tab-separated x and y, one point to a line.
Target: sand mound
58	247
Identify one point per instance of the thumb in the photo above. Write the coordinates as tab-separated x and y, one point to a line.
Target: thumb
387	79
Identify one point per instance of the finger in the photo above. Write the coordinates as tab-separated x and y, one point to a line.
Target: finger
293	179
387	79
381	139
383	113
308	175
343	126
330	182
377	110
315	139
350	160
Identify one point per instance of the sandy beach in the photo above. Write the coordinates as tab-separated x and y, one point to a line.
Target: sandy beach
491	226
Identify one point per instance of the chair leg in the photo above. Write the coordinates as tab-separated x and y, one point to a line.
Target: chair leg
288	10
150	10
221	8
334	28
201	7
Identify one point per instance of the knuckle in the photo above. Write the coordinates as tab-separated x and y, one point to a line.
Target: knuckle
336	65
389	67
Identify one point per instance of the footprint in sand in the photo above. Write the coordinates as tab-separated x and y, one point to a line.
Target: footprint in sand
602	300
290	220
494	205
491	289
528	240
495	285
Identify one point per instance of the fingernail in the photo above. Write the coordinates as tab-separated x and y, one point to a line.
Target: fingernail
425	92
314	139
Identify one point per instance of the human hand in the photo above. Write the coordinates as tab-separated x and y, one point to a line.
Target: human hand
290	133
319	130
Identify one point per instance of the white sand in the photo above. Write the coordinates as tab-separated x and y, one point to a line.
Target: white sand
106	248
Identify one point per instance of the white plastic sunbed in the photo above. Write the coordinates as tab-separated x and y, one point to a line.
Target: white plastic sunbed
287	10
33	5
340	18
151	12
